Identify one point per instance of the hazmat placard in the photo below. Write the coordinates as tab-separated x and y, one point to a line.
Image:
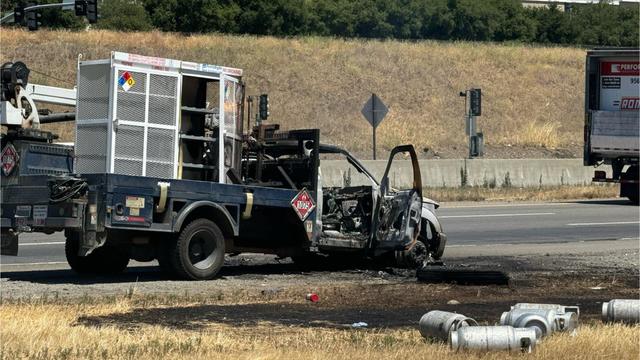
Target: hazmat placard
620	85
126	81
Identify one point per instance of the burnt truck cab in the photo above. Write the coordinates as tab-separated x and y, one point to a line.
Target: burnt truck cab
370	217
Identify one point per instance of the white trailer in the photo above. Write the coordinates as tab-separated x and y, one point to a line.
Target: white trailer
612	116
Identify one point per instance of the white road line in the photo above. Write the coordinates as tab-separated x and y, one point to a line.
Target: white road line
43	243
38	263
493	215
605	223
445	206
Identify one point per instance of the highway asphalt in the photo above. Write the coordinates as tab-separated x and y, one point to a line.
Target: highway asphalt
466	224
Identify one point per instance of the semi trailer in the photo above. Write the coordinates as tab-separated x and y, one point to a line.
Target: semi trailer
612	116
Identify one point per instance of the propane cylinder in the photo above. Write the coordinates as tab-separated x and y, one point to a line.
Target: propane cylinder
438	323
543	321
621	310
493	338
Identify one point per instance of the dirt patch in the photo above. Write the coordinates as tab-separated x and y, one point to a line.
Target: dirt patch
261	288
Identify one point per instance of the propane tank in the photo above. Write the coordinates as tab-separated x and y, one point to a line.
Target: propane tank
621	310
493	338
438	324
543	321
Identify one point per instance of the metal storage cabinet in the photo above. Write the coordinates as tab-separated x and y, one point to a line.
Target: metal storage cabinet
129	115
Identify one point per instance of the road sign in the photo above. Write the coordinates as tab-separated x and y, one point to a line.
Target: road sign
374	110
303	204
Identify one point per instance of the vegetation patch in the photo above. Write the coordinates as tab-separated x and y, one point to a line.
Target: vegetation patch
532	96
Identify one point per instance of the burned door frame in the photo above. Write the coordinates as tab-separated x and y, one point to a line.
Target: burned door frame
415	204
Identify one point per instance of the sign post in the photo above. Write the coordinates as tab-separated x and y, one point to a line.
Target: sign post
473	108
374	111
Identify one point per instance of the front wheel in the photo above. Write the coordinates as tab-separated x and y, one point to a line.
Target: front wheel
198	252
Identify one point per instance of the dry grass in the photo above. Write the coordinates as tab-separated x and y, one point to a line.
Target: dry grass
61	331
547	193
532	95
546	135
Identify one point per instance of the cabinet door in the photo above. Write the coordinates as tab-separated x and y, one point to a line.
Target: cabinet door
144	132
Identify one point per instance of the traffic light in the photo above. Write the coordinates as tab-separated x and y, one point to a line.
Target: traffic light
18	14
264	106
92	11
476	102
80	6
33	18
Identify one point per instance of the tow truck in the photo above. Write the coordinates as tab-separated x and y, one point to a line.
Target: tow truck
162	169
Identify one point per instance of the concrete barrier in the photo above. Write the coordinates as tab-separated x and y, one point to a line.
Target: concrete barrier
474	172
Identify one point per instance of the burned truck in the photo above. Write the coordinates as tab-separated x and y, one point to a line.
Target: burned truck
162	169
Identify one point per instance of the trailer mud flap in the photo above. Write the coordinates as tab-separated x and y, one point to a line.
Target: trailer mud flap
9	243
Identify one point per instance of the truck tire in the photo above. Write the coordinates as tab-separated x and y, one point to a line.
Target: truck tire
103	260
79	264
110	259
414	257
630	190
198	253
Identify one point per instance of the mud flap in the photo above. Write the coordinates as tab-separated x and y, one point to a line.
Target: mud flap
9	243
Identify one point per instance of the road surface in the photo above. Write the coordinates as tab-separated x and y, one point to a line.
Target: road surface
467	225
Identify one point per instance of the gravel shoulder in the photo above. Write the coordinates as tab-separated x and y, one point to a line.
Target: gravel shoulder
258	286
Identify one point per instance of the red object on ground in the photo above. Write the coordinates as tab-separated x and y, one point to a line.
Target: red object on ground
313	297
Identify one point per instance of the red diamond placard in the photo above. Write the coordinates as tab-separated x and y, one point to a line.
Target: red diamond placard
9	159
303	204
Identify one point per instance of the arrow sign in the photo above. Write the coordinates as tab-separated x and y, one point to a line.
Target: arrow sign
374	110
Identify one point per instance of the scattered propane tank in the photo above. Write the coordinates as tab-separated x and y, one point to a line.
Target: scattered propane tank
521	328
621	310
544	320
438	324
486	338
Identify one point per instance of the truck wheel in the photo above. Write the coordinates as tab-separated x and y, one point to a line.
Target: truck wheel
414	257
630	190
110	259
79	264
199	250
103	260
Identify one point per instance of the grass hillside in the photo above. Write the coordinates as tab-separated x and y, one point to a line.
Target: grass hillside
532	96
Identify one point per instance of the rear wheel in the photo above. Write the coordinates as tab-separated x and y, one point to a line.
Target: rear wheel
198	252
79	264
630	190
103	260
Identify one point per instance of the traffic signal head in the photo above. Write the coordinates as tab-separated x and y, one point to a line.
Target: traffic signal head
92	11
80	7
264	106
18	14
33	18
475	102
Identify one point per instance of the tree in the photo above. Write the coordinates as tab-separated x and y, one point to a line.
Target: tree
123	15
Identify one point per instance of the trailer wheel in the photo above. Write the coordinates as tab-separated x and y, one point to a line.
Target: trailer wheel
199	250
